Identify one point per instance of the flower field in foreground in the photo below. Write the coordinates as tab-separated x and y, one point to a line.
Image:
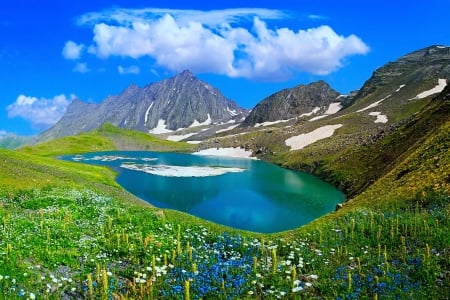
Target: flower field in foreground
70	244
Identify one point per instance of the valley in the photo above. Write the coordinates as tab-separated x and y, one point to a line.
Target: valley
68	230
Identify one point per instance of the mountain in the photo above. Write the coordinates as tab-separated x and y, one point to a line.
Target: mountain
12	141
416	68
302	100
179	102
400	105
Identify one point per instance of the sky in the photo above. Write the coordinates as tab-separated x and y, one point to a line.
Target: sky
52	52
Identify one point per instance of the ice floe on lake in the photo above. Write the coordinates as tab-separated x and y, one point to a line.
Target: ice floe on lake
228	152
181	171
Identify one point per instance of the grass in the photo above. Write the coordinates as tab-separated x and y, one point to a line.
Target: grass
68	243
107	137
68	231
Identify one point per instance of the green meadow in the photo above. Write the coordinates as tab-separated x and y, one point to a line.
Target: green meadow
68	231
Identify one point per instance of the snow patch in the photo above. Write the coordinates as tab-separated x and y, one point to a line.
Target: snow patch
375	104
380	118
228	128
194	142
229	152
442	83
206	122
160	128
400	87
441	47
333	108
271	123
300	141
314	111
232	111
177	138
147	112
341	96
181	171
317	118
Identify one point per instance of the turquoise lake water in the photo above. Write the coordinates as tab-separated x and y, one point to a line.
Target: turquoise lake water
240	193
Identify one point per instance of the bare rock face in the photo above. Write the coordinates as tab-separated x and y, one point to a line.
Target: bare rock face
171	104
290	103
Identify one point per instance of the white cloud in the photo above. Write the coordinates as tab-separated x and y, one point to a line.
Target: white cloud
233	42
72	50
41	112
128	70
3	133
81	68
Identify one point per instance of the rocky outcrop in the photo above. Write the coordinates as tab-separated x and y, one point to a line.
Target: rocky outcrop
295	102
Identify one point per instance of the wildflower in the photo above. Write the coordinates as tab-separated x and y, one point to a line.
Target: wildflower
32	296
297	289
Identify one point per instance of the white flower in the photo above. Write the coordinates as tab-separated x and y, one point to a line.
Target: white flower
297	289
32	296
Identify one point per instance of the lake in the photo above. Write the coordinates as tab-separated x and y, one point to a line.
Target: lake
240	193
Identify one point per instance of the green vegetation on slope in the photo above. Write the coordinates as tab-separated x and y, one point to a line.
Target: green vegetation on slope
106	138
353	166
26	171
13	141
68	231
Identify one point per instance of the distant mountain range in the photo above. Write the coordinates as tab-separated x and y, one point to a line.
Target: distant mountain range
12	141
174	107
176	103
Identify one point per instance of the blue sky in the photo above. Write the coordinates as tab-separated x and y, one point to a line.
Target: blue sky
54	51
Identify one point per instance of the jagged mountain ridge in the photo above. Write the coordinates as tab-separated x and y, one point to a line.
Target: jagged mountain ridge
177	102
294	102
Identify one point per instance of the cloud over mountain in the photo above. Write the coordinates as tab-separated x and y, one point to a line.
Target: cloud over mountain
232	42
41	112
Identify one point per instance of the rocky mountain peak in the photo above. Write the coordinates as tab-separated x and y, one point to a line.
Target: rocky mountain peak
178	102
294	102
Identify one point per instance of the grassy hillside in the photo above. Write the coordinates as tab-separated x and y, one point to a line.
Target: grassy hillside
107	137
356	167
68	231
13	141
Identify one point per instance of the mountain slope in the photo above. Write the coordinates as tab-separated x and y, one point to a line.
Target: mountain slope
302	100
394	111
164	106
107	137
12	141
